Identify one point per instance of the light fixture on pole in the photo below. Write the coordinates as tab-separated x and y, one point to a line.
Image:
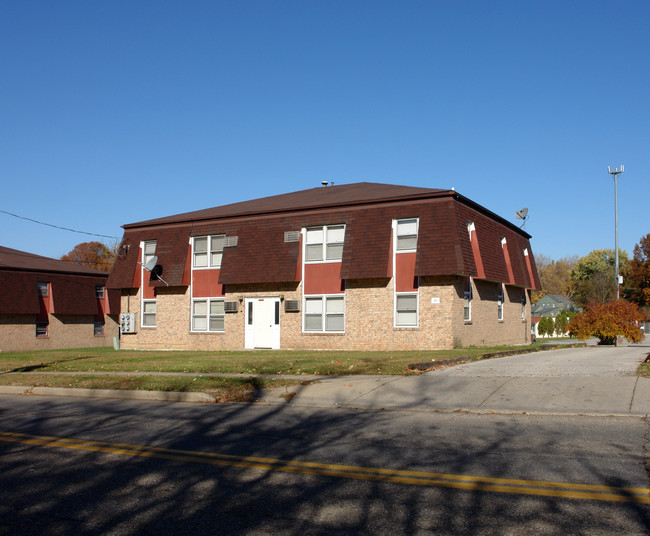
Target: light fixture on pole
616	172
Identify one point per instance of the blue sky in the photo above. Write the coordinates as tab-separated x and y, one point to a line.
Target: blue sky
117	112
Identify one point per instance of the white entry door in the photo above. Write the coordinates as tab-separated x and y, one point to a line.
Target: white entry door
262	323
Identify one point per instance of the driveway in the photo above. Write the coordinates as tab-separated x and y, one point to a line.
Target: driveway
600	361
577	381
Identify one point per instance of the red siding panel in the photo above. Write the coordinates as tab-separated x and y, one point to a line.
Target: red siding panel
405	278
205	284
323	278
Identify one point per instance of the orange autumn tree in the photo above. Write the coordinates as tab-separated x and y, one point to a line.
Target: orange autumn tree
92	255
617	318
637	274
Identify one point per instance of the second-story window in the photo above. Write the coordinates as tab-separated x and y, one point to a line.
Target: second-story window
208	251
324	243
148	251
99	291
407	234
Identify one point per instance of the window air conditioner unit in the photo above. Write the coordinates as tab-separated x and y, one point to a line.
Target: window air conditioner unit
292	236
127	323
292	306
230	307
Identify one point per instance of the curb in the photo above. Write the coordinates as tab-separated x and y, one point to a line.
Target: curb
165	396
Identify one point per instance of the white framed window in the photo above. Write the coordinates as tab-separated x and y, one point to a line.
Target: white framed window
98	328
406	310
324	314
500	298
148	251
148	313
208	251
99	291
467	300
324	243
43	289
208	314
407	235
41	329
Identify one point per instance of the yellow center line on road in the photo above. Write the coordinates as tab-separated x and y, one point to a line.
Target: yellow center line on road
419	478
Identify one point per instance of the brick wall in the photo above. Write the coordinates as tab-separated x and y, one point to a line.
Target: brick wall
18	333
484	328
369	321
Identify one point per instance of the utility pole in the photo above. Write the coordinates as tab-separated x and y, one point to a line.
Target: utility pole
616	172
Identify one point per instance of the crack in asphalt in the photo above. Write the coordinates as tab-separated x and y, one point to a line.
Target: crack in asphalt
494	392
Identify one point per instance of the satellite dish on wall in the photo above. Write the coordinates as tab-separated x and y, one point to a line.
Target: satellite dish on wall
154	268
150	264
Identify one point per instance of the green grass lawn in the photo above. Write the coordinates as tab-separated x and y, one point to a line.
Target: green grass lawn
222	389
245	362
644	369
14	367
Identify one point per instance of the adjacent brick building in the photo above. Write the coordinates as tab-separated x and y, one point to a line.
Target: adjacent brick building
360	266
50	304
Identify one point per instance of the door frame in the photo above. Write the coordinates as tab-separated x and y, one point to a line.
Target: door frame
249	329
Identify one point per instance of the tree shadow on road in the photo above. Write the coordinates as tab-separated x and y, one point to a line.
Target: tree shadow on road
49	490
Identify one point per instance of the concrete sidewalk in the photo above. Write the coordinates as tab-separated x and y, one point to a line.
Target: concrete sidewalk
577	381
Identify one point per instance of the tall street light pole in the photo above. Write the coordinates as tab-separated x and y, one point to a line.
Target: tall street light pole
616	172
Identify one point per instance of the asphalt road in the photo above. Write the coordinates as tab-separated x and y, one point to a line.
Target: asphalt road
76	466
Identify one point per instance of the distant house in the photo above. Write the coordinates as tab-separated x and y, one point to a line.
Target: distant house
50	304
552	305
361	266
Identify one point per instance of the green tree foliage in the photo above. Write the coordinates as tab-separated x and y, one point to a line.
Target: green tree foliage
617	318
592	277
92	255
546	326
562	321
636	281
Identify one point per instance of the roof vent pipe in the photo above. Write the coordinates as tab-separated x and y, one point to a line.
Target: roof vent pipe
324	183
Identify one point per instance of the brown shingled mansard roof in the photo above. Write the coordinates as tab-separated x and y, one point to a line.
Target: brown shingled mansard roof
13	259
367	210
73	285
323	197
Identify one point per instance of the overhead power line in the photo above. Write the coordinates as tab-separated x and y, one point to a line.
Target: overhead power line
58	226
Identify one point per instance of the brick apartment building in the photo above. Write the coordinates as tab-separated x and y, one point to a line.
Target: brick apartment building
50	304
360	266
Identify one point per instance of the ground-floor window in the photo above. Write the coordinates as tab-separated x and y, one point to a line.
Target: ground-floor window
467	300
98	329
324	313
406	310
41	329
208	314
149	314
500	298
